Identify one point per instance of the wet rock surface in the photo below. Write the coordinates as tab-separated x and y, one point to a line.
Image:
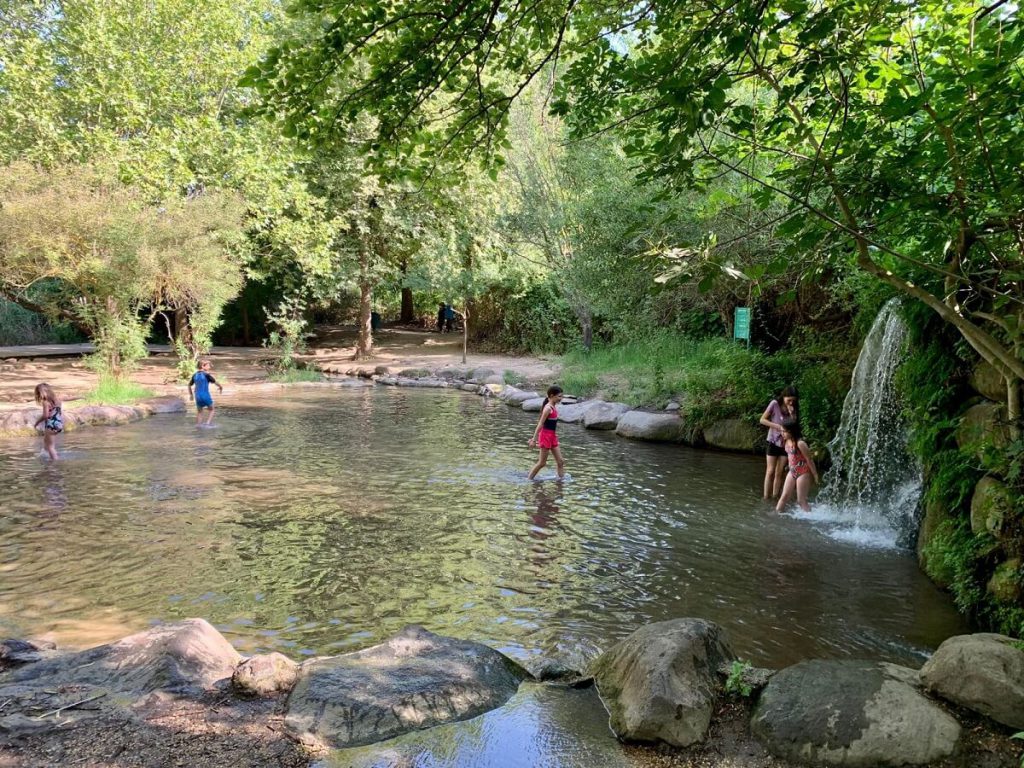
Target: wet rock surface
414	680
852	713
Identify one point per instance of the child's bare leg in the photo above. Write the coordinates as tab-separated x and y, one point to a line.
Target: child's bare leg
209	416
787	492
539	465
199	416
557	452
48	445
803	488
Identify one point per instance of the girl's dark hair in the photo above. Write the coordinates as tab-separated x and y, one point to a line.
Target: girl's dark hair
790	391
554	390
793	427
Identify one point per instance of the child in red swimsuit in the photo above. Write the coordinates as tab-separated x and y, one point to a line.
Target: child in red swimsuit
801	467
544	435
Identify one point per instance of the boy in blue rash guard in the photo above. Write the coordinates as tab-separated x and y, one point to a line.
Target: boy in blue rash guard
201	380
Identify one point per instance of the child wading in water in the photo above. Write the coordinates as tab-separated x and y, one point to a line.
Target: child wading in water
801	467
52	418
201	380
544	435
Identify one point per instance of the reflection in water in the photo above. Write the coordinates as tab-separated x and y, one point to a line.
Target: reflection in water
540	726
327	521
543	501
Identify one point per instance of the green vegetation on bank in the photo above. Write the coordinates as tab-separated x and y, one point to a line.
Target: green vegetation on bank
959	554
295	375
714	378
111	390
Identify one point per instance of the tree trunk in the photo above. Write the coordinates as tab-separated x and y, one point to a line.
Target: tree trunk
1013	406
364	343
587	324
246	329
408	308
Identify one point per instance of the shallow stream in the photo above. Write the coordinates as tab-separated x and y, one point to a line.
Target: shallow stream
322	521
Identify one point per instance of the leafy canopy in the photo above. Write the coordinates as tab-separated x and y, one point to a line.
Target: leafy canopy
891	131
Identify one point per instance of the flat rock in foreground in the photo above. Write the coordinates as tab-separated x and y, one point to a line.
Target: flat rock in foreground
860	714
185	657
414	680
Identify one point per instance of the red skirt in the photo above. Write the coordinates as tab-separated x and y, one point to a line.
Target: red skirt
548	439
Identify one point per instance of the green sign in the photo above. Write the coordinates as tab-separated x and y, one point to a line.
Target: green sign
741	325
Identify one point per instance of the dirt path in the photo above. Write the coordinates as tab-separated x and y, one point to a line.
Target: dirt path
396	348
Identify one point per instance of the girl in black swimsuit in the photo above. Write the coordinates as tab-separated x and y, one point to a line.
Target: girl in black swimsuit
52	418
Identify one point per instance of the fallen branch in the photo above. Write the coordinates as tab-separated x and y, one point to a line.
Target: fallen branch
71	706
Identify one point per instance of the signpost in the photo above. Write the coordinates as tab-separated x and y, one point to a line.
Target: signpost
741	324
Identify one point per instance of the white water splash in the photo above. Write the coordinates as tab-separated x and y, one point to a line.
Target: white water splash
871	492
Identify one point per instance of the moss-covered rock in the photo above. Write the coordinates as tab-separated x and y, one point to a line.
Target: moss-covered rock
991	507
936	512
983	425
988	382
734	435
1004	585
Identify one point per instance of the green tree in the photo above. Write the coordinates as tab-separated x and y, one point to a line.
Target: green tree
150	88
893	129
114	260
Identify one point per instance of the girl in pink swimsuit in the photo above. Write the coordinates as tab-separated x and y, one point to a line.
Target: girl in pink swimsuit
801	467
546	437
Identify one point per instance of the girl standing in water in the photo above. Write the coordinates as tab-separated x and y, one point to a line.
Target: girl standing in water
544	435
785	408
52	418
801	468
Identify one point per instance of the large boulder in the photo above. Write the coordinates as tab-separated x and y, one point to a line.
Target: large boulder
604	415
988	382
1004	584
186	657
166	404
983	425
858	714
734	435
534	405
414	373
659	684
983	672
574	413
453	373
414	680
656	427
991	507
517	397
480	374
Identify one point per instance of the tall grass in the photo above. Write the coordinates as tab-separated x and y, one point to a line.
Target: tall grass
113	391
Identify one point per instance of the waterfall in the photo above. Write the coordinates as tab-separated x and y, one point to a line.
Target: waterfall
870	494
